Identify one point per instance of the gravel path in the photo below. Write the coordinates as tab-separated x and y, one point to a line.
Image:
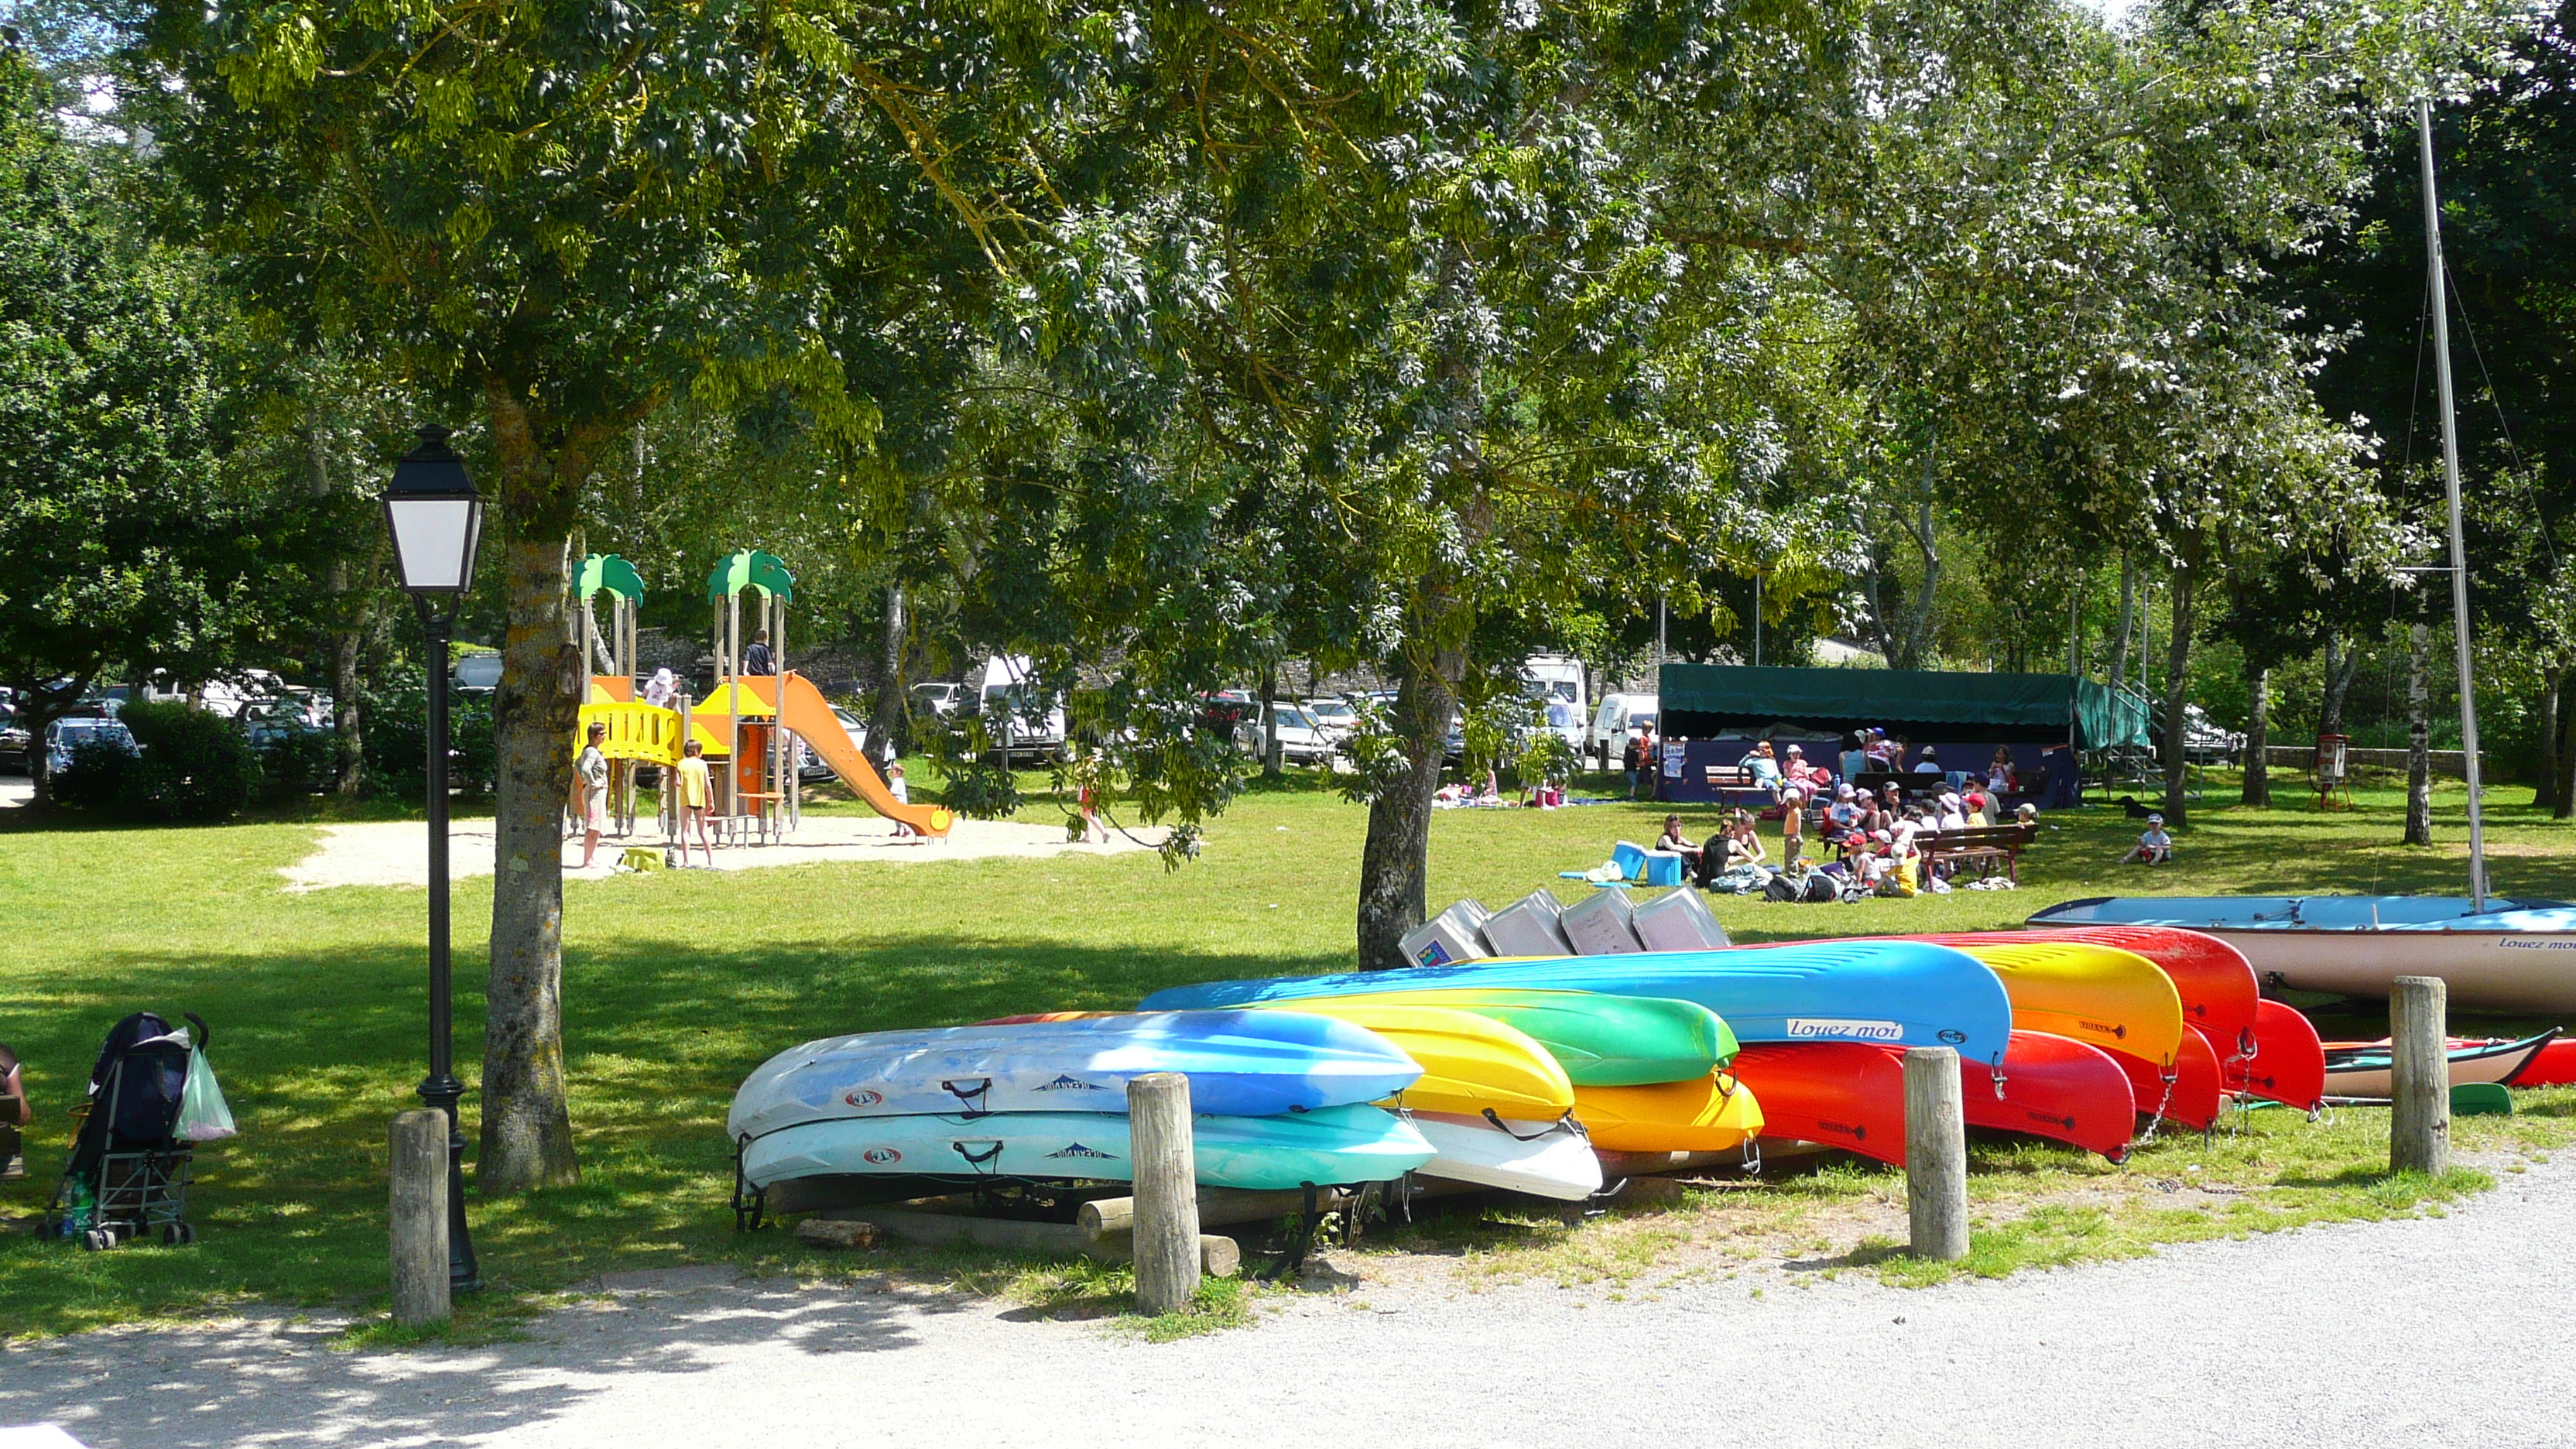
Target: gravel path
396	853
2430	1331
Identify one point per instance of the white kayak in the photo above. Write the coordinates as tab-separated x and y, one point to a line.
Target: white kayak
1240	1064
1544	1159
2517	956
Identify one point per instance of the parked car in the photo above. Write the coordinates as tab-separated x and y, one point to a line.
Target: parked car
478	673
14	754
938	698
1618	720
64	735
1301	740
267	722
1335	719
2204	743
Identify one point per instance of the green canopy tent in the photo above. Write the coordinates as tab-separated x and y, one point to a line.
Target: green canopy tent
1701	700
1716	708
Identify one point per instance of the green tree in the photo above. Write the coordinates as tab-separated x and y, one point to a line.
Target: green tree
127	540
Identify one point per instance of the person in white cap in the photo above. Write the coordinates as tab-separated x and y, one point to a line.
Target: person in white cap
2154	848
1954	815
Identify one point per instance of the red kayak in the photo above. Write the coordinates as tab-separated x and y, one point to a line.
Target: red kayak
1852	1096
2058	1088
1844	1094
2193	1099
2218	989
2289	1063
2554	1067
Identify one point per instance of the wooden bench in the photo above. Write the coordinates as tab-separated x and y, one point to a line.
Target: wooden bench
1728	782
1984	845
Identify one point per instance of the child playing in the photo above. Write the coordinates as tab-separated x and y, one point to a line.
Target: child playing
697	801
2154	848
902	794
1793	832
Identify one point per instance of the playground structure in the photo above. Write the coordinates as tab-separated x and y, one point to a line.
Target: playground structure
746	729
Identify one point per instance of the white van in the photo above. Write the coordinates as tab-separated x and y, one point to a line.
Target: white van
1556	683
1026	731
1619	717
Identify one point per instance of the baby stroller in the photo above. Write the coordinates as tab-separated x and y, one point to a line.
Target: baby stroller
128	1173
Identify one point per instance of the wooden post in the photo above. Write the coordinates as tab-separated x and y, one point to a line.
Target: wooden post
2419	1116
1936	1154
419	1161
1167	1202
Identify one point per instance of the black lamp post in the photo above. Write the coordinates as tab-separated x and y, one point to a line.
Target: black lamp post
436	518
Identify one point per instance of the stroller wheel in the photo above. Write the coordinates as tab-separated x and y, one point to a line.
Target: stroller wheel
97	1240
174	1235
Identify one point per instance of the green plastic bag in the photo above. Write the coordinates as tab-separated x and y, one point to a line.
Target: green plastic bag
204	1115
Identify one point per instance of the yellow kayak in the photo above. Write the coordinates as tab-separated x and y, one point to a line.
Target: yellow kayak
1470	1064
2099	995
1709	1115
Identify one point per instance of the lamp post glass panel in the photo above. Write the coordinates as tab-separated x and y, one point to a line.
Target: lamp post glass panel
437	518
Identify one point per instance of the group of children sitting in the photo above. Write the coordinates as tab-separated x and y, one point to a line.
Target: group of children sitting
1875	842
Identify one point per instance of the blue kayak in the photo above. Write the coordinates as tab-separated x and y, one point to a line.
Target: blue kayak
1240	1064
1332	1145
1897	993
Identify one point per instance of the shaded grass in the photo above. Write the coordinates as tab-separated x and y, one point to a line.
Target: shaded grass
678	983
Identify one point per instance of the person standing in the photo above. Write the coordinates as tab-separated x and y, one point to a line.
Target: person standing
14	1116
757	659
697	800
590	784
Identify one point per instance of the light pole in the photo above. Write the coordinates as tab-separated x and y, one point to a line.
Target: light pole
436	517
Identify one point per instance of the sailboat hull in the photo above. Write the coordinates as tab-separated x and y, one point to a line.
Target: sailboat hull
2521	958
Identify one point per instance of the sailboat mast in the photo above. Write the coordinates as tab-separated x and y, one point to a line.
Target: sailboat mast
2451	488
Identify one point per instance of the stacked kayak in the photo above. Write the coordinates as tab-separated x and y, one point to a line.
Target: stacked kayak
1891	993
1286	1095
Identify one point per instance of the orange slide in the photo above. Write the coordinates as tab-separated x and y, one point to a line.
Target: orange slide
811	718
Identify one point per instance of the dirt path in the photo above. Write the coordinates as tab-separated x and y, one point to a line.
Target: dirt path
396	853
2425	1331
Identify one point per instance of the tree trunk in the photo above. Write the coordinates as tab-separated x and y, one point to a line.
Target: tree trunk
2118	675
2419	755
890	721
349	618
1271	749
2545	797
1918	624
2258	737
1396	861
2565	798
2341	661
2177	759
527	1127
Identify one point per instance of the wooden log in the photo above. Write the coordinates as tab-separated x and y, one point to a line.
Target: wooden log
1112	1217
836	1233
2419	1115
419	1217
1167	1198
1936	1155
1216	1257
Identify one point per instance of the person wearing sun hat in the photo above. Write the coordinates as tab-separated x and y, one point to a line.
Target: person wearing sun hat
2154	847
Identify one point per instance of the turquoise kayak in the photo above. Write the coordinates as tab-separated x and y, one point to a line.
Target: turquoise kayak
1894	993
1240	1064
1330	1145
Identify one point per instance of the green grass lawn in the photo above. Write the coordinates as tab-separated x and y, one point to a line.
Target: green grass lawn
678	983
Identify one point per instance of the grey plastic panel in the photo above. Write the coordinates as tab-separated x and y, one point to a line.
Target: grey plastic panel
1527	927
1668	923
1600	926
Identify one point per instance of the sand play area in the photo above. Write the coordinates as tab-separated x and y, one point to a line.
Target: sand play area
396	853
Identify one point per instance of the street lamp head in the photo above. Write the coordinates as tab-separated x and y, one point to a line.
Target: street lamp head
436	517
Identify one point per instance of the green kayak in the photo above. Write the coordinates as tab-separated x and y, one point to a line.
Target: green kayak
1600	1040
